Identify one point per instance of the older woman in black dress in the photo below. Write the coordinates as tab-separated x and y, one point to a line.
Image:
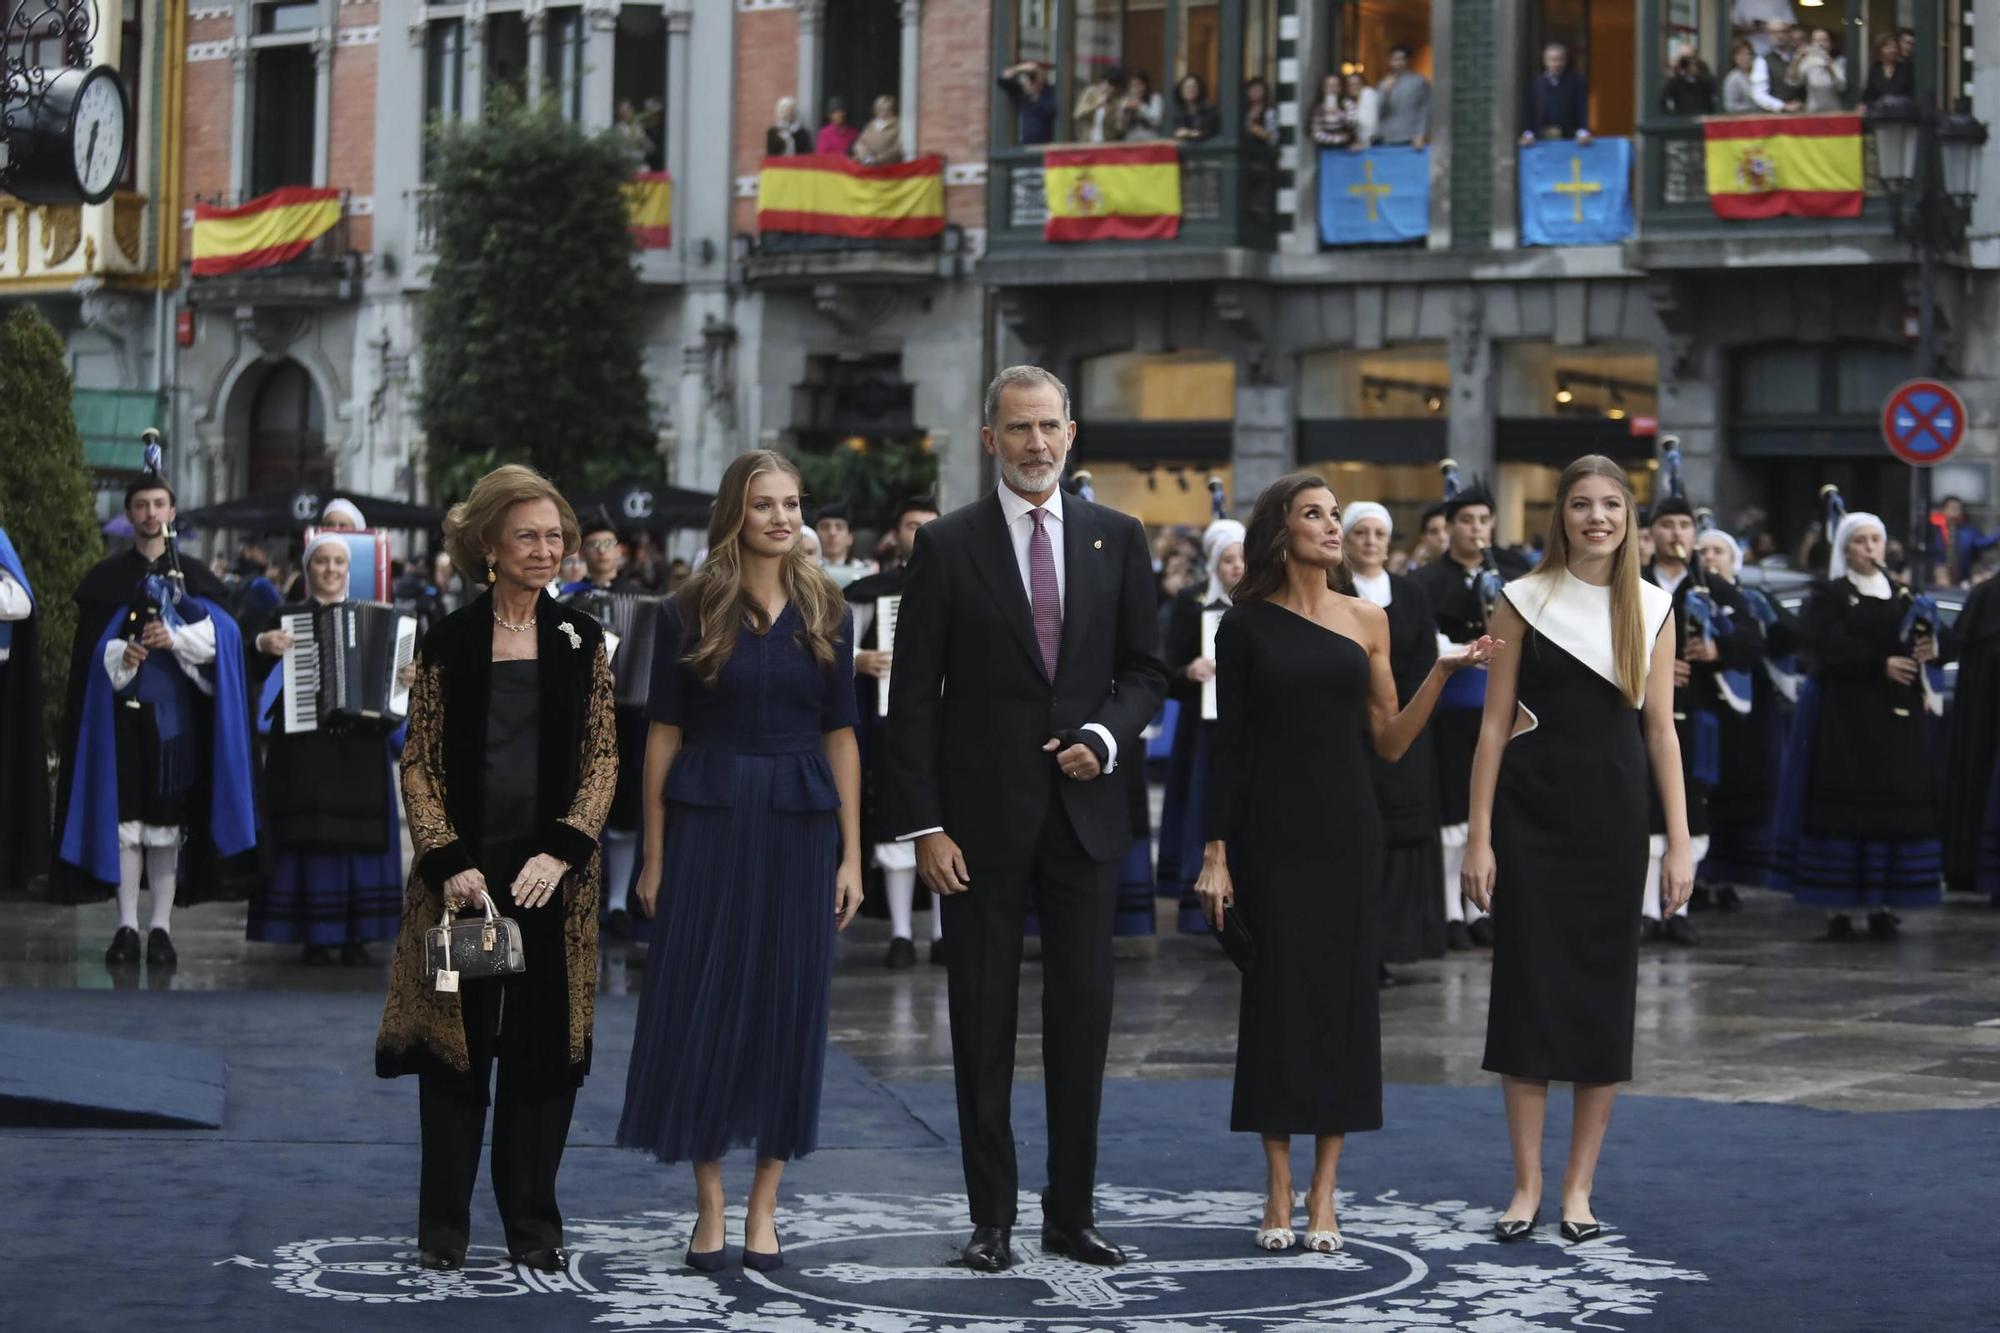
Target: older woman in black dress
508	772
1303	675
1558	844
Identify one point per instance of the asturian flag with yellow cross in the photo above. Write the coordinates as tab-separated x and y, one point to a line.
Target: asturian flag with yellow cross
1576	193
1378	196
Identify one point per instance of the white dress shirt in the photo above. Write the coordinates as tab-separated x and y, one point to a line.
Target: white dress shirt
193	648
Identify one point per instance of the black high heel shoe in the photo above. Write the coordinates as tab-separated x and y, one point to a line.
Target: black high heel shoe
706	1261
1508	1230
1573	1232
758	1261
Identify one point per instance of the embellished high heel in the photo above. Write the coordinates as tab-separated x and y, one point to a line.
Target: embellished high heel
1275	1239
1324	1242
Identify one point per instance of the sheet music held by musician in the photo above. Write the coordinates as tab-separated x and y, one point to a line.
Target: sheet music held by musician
886	609
1209	620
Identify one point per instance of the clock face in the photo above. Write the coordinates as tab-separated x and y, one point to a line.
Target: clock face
97	141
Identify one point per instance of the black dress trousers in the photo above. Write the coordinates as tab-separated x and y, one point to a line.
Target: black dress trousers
1074	897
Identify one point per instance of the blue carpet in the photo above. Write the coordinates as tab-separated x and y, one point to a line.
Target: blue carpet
298	1211
53	1079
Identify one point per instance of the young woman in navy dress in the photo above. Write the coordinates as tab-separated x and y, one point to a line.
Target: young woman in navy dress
1579	722
752	854
1306	693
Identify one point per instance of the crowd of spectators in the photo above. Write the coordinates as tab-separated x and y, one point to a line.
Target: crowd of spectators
878	143
1778	67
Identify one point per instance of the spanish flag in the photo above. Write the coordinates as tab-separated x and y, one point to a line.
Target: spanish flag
273	229
649	210
1127	192
1784	166
824	195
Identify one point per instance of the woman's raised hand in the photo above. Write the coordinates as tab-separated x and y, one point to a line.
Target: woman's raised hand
1477	653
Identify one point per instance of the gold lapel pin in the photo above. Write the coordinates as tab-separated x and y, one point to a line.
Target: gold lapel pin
1097	545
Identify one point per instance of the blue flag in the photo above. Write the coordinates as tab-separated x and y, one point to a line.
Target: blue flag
1576	194
1378	196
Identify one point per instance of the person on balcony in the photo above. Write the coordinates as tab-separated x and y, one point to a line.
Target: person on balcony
1820	72
1329	127
1260	118
1026	84
1406	102
1099	114
1143	109
1557	105
881	144
633	131
1690	86
1772	86
1739	86
836	136
1195	117
1364	121
1889	75
789	137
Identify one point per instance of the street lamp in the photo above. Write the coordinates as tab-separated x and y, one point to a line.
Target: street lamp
1929	163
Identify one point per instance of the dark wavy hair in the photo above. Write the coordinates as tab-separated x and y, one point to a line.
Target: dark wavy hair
1269	534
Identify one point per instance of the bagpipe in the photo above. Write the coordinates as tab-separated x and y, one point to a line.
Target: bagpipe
1921	620
1467	689
162	593
1218	500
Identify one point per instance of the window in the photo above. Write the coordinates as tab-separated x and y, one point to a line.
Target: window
36	32
861	58
1364	30
131	71
1158	386
1390	383
639	81
292	16
444	79
1611	383
507	53
283	130
562	61
288	432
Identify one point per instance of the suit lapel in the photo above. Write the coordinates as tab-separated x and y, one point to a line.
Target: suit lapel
993	558
1083	558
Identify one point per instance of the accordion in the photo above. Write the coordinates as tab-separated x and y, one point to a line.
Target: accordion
343	666
629	620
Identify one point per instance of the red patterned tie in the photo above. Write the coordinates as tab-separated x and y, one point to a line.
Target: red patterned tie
1042	593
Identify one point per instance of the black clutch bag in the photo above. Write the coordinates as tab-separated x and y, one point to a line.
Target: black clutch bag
1236	939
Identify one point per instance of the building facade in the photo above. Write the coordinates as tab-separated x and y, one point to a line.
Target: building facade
1243	346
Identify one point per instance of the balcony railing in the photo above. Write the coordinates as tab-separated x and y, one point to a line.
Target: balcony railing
283	260
1674	196
1228	199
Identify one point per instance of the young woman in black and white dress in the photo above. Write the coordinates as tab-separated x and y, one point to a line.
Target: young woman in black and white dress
1558	845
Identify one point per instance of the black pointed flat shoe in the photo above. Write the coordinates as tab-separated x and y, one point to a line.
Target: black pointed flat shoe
1509	1230
1575	1232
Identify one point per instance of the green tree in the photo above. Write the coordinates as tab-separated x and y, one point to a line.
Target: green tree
871	482
531	329
45	497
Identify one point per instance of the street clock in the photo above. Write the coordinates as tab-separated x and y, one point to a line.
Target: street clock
68	140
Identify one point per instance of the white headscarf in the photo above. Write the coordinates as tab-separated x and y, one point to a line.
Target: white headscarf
1836	568
1219	537
1356	510
347	509
1716	537
326	539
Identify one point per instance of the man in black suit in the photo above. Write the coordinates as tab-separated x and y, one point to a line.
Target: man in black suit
1027	663
1555	104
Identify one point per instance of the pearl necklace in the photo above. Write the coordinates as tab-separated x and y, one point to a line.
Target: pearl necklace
504	623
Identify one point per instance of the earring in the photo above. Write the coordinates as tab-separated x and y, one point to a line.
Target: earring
491	576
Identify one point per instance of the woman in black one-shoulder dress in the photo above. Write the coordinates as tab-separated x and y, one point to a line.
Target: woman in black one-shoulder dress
1578	724
1304	688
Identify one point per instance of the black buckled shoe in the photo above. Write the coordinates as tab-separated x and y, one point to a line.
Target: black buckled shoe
991	1250
902	953
1086	1245
124	950
1882	925
1679	930
160	950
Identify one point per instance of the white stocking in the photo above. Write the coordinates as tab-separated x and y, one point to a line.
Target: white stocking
160	879
131	860
902	890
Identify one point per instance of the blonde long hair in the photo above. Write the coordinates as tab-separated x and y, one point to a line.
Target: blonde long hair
714	603
1628	625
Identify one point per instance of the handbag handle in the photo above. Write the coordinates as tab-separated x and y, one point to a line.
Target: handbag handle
451	913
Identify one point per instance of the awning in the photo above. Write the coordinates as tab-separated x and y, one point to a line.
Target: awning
288	510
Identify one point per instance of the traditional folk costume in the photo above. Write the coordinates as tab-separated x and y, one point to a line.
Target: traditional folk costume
622	827
896	860
1459	596
24	765
336	881
157	758
1188	765
1972	770
1857	819
1406	792
1716	612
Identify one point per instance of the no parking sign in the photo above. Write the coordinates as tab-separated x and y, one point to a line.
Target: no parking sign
1923	422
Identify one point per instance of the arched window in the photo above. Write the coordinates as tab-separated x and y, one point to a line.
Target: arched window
288	432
